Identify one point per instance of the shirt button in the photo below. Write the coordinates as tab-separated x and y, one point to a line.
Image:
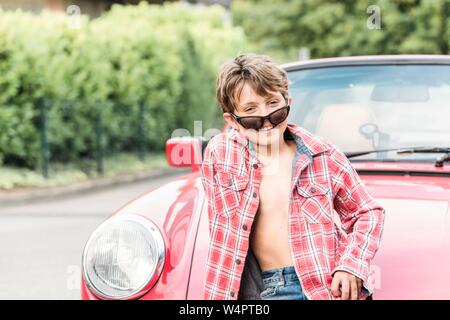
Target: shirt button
230	182
254	195
238	261
255	166
231	294
313	190
244	227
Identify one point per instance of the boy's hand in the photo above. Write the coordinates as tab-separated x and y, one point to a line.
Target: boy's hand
346	285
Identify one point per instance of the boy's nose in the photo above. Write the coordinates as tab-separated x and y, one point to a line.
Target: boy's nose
267	124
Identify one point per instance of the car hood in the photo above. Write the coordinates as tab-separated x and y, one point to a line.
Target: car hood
413	261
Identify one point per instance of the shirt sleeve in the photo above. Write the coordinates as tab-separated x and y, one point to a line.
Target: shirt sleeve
207	173
361	216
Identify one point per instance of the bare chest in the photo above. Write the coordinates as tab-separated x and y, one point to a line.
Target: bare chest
275	187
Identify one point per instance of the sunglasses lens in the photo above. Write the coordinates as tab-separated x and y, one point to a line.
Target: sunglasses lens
257	123
252	123
279	116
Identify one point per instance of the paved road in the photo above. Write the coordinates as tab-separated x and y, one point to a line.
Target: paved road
41	243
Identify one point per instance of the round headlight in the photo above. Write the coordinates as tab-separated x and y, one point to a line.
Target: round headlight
123	258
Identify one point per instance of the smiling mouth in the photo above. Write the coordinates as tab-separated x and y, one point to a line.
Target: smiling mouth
266	129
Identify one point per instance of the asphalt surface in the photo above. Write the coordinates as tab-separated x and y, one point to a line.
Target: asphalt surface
42	243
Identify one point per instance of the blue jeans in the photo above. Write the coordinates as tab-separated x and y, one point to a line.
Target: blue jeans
281	284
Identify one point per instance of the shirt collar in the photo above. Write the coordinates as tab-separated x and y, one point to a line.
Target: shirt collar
307	143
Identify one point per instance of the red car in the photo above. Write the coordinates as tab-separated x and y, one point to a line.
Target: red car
389	114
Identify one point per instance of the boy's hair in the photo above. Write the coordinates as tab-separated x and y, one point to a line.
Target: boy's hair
259	71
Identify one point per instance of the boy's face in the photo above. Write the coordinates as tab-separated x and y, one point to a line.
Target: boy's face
252	104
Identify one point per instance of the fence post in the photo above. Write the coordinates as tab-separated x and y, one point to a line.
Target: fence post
45	153
141	133
445	31
98	140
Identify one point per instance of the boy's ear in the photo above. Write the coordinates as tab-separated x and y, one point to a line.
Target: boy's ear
230	120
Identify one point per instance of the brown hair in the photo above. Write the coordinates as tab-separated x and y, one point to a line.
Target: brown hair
259	71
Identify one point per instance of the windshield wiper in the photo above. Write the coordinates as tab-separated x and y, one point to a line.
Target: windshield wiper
438	163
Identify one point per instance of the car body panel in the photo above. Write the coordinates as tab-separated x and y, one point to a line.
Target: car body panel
367	60
414	258
175	208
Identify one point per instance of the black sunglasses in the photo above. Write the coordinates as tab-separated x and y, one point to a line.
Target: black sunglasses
257	122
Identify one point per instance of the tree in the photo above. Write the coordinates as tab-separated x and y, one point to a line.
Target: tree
340	28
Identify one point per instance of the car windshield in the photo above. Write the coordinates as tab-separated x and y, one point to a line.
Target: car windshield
361	108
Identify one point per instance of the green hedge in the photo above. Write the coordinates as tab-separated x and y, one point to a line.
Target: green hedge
165	57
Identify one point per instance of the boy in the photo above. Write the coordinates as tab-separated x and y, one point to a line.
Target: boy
289	217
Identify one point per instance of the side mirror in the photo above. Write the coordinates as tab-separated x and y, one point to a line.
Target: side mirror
185	152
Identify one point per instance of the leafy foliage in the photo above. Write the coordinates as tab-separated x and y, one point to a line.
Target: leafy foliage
339	28
164	56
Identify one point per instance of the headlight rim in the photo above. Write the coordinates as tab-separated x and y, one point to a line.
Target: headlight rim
151	281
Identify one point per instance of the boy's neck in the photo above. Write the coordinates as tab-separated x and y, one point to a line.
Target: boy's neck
269	152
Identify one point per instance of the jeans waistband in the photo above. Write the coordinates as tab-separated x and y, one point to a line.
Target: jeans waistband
279	276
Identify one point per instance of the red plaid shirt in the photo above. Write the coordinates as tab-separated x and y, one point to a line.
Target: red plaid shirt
334	224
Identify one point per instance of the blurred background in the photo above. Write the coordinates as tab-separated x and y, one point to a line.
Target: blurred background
91	90
88	88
